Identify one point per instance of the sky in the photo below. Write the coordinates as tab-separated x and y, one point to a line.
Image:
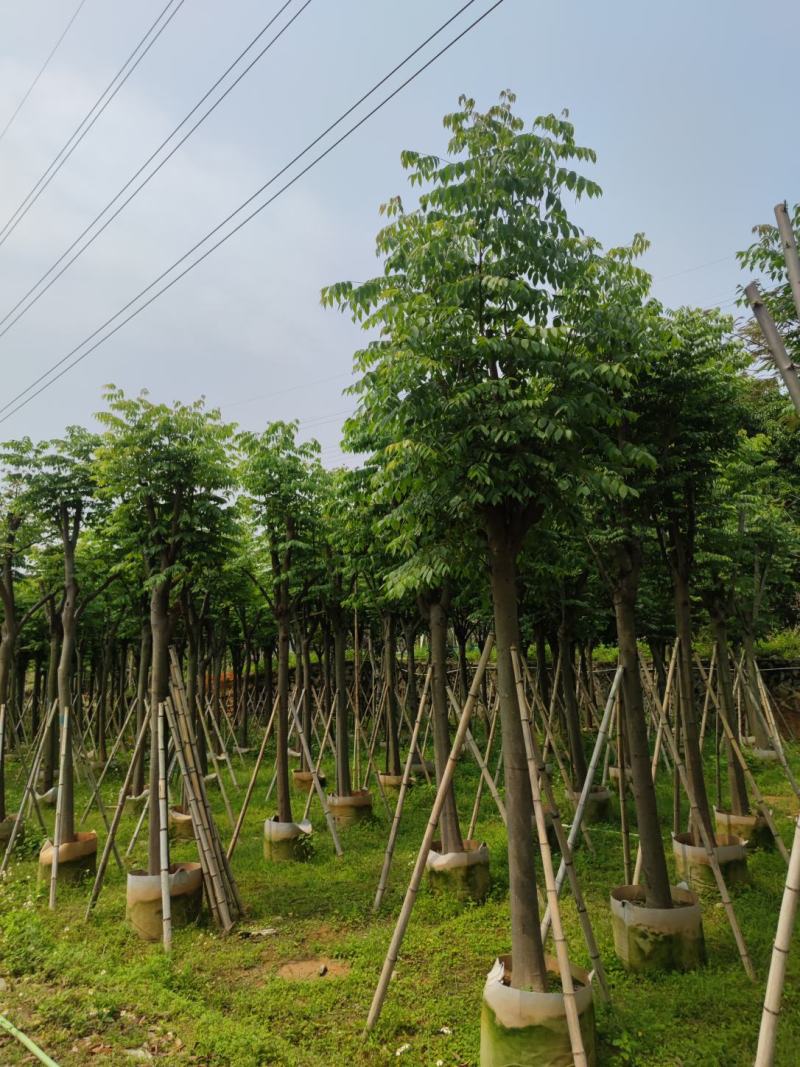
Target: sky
690	107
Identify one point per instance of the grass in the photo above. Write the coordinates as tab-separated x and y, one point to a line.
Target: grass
93	993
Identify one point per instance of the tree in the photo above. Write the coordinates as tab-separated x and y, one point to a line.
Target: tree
689	402
167	471
279	477
478	379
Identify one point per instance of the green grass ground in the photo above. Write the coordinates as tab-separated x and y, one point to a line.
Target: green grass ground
91	992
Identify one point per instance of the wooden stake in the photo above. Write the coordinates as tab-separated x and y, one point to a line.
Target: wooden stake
538	771
115	821
774	343
163	818
707	845
767	1035
62	758
575	829
251	784
398	810
427	841
315	778
485	773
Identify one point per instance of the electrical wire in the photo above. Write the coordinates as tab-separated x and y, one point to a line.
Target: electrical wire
73	362
42	69
90	118
146	163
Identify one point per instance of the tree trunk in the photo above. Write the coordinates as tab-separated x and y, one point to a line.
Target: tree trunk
449	829
740	804
543	681
307	709
51	744
752	695
412	693
68	628
529	970
654	864
142	676
344	786
571	712
159	691
6	647
684	668
282	755
393	765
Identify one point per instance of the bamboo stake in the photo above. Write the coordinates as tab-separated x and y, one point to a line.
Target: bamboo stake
325	738
751	782
623	812
562	955
217	770
696	821
252	783
602	736
708	684
398	810
101	778
768	1032
115	821
315	778
476	806
775	740
214	888
539	773
30	790
62	757
775	342
163	818
427	840
476	752
789	251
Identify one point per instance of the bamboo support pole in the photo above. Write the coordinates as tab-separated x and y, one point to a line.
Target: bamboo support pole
697	822
427	840
217	769
30	790
538	772
775	342
602	736
748	775
62	758
325	739
252	783
81	757
476	806
657	748
623	811
115	821
768	1032
708	683
562	955
163	835
104	771
317	785
214	888
190	744
398	810
476	752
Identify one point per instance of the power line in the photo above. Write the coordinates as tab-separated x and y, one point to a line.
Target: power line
42	69
282	392
90	118
146	163
690	270
248	218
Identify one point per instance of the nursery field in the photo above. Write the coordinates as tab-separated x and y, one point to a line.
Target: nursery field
92	992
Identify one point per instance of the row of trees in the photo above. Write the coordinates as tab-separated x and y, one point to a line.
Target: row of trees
550	454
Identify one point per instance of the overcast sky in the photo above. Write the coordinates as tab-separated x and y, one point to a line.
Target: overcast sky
691	108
